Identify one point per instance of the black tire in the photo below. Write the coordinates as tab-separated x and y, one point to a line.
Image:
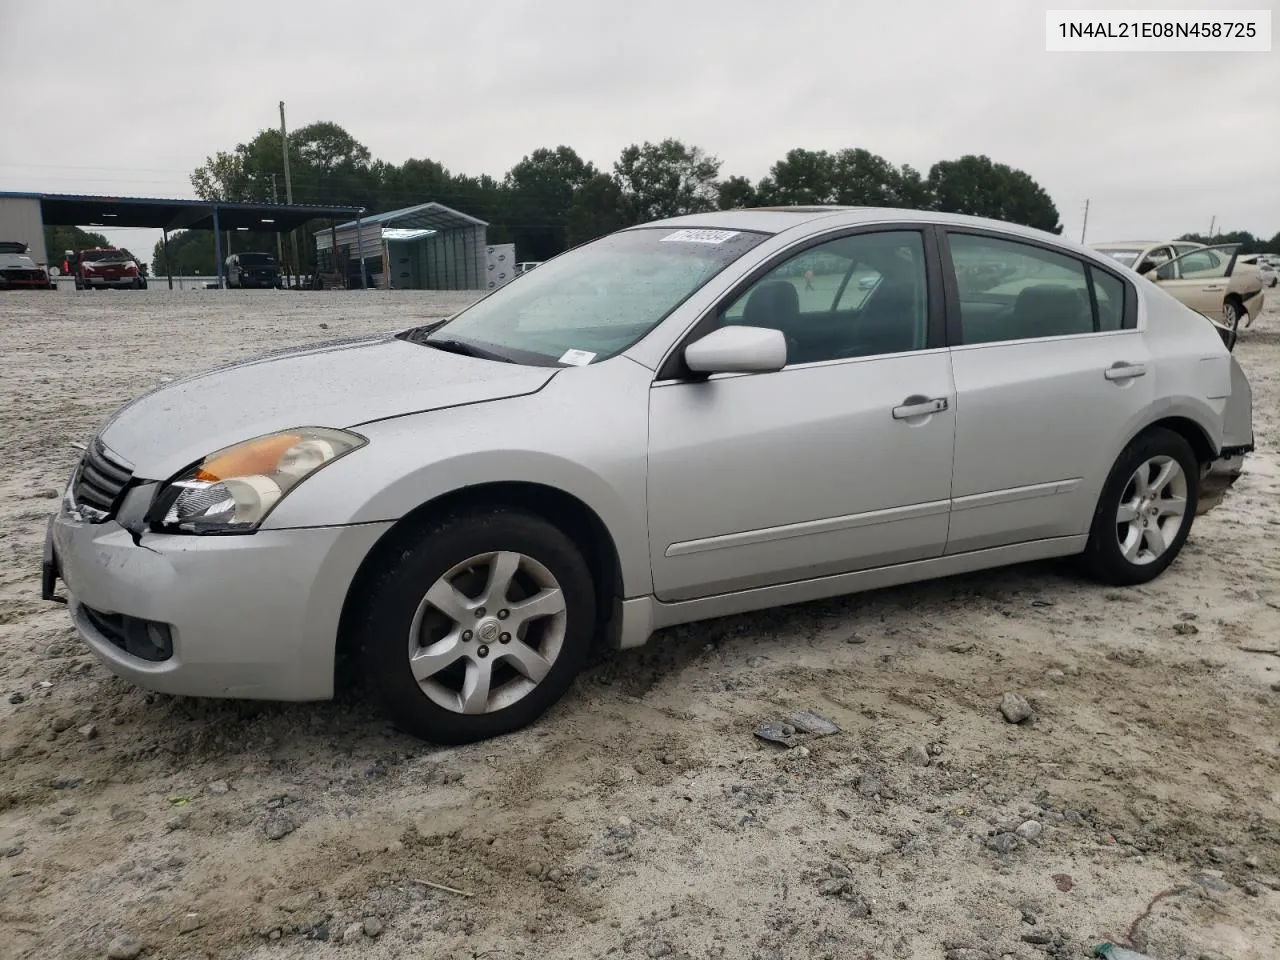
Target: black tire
1103	559
1232	313
422	557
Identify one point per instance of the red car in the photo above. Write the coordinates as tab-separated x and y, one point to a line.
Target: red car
107	267
19	272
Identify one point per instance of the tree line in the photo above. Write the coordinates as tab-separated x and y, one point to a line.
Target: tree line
552	199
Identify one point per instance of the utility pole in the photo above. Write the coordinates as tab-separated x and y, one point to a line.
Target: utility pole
1212	222
288	187
1085	225
279	247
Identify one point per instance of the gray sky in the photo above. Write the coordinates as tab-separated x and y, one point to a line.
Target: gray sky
129	103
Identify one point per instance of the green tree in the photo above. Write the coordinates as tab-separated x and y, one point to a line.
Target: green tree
801	178
598	208
667	179
58	240
539	193
735	193
976	186
851	177
1248	242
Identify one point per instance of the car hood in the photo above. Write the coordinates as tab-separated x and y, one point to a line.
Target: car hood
335	384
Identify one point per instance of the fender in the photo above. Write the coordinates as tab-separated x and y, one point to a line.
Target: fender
562	437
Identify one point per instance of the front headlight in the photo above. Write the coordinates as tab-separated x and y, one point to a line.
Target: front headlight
233	490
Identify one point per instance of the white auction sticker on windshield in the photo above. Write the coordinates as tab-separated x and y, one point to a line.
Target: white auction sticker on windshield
577	358
700	236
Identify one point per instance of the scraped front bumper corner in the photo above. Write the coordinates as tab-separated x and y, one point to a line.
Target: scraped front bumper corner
1220	475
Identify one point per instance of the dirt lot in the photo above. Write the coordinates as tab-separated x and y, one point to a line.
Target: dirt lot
642	818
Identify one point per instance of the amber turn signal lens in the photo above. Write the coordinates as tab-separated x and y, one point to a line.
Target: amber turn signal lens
260	457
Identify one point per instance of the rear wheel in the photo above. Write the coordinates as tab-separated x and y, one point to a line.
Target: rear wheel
478	625
1145	511
1232	314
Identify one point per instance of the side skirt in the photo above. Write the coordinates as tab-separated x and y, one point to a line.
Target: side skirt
641	616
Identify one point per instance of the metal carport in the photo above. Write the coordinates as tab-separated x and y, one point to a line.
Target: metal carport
439	248
67	210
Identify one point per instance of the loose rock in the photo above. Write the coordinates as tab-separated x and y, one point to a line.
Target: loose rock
190	923
89	731
17	697
353	933
1185	629
278	826
218	787
915	756
1056	676
659	948
810	722
1015	708
1030	830
372	927
124	947
1003	843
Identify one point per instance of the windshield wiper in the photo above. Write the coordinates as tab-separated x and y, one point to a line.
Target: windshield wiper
449	345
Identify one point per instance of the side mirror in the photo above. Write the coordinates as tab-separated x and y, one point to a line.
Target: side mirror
737	349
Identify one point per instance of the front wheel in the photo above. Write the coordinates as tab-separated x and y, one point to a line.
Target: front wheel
478	625
1145	512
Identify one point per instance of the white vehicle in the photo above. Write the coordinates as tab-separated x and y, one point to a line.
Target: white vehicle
1267	266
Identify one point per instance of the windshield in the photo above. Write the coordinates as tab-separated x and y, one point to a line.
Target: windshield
256	259
1125	255
598	299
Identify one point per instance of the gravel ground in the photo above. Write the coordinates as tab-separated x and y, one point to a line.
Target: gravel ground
1139	803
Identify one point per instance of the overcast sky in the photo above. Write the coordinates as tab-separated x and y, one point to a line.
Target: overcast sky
127	99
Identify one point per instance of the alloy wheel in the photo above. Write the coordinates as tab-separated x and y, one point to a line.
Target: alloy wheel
1152	509
487	632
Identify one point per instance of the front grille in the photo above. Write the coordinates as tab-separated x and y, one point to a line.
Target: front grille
100	480
23	275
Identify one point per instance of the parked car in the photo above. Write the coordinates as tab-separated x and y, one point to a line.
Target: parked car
244	270
441	521
1268	270
1211	280
102	267
18	271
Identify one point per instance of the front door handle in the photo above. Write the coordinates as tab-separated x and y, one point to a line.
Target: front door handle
918	405
1125	371
1214	288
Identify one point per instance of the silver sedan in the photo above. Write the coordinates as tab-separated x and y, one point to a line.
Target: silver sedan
681	420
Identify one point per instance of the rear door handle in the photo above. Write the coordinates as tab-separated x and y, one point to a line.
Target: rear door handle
918	405
1125	371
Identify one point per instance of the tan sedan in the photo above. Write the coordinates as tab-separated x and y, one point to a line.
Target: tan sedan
1211	280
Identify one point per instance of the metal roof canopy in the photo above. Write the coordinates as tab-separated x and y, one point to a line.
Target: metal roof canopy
424	216
67	210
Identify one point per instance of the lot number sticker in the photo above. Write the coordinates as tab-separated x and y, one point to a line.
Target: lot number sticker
699	236
577	358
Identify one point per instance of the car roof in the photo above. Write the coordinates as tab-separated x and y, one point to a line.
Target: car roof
814	219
